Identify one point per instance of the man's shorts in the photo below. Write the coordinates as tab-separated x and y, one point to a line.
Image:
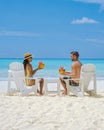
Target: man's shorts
71	82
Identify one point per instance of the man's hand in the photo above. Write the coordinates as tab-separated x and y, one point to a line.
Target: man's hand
66	73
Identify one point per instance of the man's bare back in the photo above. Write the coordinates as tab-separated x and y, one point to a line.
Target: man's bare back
75	69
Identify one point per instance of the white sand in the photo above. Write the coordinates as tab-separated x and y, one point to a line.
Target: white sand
51	112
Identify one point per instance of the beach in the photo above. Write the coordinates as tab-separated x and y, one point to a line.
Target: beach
51	52
51	112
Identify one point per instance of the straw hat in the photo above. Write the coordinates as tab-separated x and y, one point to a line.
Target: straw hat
27	55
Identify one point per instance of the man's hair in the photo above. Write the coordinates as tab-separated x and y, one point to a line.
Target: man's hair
75	53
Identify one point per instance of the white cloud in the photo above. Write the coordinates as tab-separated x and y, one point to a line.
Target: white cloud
99	41
100	2
84	20
19	34
96	42
91	1
93	41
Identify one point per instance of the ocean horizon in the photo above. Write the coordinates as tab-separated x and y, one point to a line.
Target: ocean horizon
51	66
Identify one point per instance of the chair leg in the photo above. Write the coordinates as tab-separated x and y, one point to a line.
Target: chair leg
9	82
45	87
58	87
68	87
95	84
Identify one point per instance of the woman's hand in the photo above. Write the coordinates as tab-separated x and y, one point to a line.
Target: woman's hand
39	68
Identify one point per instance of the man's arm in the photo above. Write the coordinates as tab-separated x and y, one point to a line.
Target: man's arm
73	73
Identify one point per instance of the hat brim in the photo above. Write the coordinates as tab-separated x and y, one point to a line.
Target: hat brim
28	57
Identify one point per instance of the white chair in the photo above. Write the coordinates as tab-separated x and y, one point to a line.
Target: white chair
88	73
16	72
14	66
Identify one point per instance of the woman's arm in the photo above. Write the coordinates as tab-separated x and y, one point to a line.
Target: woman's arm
34	71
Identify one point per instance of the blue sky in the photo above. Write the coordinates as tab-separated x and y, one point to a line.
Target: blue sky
51	28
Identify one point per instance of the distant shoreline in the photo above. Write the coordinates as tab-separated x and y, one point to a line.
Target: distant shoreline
51	65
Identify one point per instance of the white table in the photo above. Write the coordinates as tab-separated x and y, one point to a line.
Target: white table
51	80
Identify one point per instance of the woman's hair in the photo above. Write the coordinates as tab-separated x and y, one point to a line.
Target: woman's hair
25	62
75	53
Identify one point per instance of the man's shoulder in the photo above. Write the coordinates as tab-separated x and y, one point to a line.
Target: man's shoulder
77	63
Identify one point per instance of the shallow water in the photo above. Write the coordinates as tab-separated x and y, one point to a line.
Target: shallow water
51	66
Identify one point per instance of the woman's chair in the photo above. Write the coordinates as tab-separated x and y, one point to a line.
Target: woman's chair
16	71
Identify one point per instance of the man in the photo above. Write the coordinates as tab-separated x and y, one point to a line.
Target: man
75	71
29	72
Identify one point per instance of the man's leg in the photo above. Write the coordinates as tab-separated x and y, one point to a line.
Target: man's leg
41	86
64	86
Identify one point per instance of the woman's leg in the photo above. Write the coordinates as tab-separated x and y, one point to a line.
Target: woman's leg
30	82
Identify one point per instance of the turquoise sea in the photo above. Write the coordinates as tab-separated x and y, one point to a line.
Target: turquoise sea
51	66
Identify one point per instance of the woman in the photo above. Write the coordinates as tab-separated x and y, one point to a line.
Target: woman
29	72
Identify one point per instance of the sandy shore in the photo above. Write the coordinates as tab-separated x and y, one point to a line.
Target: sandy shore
51	112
